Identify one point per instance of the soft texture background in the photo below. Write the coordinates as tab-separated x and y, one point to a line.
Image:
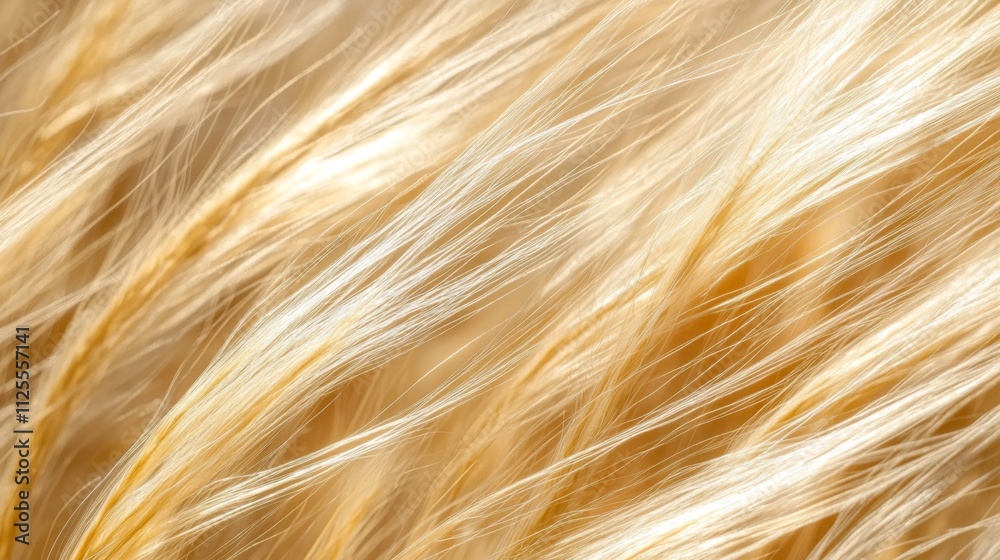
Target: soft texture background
504	279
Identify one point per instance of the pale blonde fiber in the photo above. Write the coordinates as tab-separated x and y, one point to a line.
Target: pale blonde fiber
501	279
